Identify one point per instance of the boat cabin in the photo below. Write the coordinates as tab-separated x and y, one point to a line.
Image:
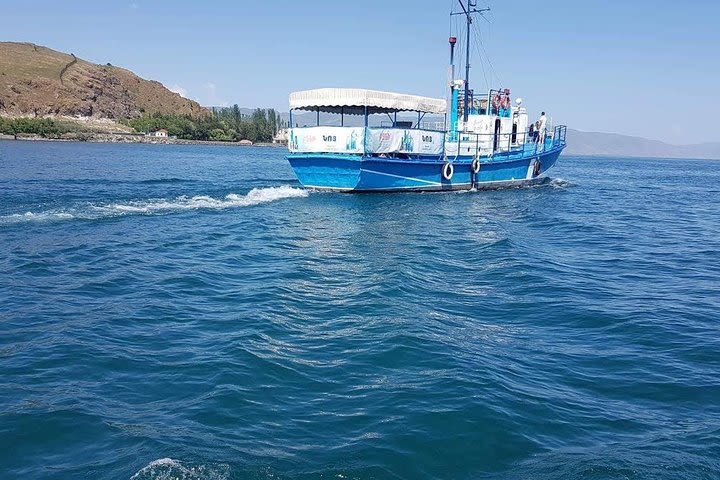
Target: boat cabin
491	124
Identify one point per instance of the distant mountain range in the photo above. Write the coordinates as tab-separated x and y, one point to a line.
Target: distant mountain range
612	144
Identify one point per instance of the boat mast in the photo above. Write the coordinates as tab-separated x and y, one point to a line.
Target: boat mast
468	12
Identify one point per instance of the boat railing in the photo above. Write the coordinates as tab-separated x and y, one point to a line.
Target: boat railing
437	126
433	126
526	143
413	141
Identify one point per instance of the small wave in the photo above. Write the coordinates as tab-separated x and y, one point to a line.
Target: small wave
159	206
560	183
154	181
169	469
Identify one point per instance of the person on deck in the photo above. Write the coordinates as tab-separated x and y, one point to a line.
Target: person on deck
542	126
506	103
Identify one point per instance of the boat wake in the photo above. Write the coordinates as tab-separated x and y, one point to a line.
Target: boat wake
256	196
169	469
158	206
546	182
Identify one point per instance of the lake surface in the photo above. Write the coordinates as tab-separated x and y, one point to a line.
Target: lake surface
189	312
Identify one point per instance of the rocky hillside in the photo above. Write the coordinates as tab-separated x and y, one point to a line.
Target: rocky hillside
38	81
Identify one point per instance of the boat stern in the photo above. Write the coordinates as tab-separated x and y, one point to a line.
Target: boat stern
326	171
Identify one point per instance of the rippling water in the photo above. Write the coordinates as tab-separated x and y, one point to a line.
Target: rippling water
189	312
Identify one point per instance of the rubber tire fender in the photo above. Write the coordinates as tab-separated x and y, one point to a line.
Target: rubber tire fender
447	170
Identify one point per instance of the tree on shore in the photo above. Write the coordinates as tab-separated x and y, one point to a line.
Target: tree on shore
226	124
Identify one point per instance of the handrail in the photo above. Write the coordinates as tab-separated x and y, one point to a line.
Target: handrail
557	135
480	145
423	129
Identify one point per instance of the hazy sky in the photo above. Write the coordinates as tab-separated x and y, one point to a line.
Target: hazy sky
647	68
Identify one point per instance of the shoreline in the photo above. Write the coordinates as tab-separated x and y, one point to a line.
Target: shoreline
132	138
178	141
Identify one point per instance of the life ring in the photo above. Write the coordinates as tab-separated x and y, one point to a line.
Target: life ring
475	166
505	103
447	170
497	101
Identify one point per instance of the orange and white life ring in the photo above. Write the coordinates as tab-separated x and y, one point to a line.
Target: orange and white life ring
505	103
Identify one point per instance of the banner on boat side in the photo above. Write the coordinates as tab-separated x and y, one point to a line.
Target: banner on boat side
326	140
412	141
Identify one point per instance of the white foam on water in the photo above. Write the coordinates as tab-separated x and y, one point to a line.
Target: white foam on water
159	206
169	469
36	217
560	183
255	196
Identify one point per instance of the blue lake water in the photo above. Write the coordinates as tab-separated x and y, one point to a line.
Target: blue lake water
189	312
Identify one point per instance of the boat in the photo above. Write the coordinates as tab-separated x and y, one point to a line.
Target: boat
370	141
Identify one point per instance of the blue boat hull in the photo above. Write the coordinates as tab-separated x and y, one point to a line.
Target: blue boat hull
360	173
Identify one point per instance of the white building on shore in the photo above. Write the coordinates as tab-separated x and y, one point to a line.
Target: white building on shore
281	136
162	133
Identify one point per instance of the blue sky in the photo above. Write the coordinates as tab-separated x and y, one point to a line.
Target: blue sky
647	68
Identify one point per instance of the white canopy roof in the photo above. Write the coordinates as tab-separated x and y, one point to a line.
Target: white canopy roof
354	101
